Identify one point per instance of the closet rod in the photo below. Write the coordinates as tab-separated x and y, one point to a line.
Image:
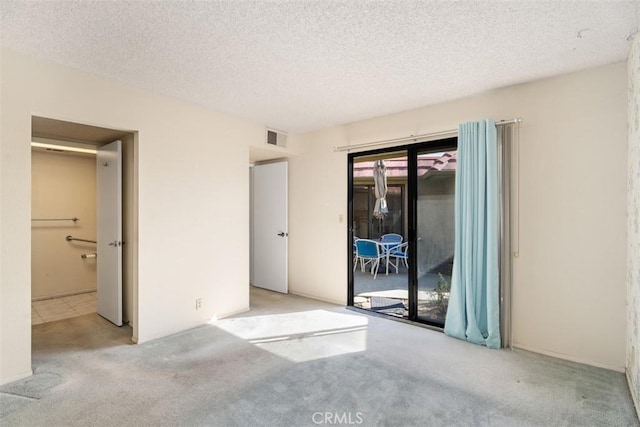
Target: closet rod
74	219
417	138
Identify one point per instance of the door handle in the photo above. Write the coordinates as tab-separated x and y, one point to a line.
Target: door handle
283	234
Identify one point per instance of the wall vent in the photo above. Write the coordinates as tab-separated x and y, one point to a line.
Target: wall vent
276	138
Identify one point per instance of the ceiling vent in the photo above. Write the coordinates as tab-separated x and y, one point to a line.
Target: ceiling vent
276	138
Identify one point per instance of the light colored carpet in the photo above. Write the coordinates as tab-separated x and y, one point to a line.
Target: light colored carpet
297	362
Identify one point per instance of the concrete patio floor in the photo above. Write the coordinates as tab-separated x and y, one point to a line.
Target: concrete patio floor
388	293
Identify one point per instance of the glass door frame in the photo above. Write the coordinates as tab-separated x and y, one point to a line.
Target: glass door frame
412	151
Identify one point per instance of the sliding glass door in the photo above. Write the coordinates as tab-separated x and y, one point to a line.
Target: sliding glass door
401	248
435	214
378	200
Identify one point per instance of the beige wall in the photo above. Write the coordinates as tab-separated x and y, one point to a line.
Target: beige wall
192	188
569	281
63	185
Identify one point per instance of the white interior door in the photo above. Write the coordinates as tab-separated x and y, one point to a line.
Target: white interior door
109	219
269	255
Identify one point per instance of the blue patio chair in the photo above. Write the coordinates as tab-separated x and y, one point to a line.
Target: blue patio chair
389	239
368	251
400	253
392	237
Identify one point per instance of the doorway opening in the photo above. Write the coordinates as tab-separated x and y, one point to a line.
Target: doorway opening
401	233
65	226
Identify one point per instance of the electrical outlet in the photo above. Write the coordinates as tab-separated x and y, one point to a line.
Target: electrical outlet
198	303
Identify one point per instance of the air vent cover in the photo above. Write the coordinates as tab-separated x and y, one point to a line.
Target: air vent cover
276	138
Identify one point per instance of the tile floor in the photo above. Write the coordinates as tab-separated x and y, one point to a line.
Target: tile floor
52	309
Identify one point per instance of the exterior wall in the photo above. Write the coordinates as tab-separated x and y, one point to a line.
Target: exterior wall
436	223
633	225
63	186
192	189
569	280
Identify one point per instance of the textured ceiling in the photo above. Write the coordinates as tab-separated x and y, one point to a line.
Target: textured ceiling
304	65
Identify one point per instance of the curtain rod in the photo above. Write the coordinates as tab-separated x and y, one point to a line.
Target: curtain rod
416	138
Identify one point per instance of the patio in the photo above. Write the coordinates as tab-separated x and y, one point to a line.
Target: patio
388	294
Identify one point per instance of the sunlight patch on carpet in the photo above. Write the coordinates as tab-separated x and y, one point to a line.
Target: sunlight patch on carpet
302	336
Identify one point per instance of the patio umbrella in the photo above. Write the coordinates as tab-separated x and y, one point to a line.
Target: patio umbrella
380	180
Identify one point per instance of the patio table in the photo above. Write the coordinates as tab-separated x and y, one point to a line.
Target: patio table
386	248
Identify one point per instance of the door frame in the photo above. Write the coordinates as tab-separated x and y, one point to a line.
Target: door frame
412	151
252	227
130	199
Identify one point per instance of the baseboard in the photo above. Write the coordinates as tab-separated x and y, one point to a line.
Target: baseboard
569	358
16	377
317	298
634	397
232	313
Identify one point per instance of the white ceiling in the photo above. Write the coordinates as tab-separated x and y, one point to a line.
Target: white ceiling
299	66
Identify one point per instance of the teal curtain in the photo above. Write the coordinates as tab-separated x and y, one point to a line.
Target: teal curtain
474	305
